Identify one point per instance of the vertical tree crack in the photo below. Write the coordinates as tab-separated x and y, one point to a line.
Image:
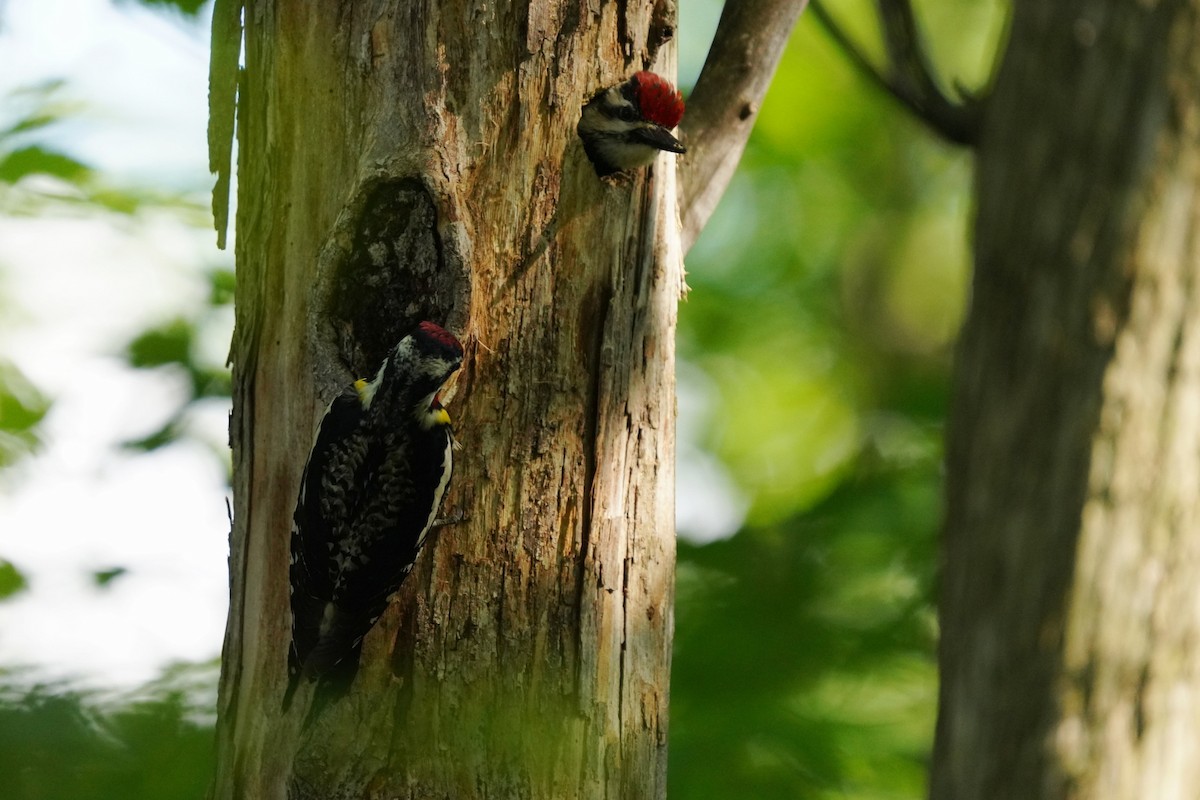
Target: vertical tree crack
597	316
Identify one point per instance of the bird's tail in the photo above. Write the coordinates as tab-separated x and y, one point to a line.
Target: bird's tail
332	664
293	685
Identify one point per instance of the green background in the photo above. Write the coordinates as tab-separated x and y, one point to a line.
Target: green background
815	346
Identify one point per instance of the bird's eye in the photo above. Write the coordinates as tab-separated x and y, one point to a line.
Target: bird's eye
627	114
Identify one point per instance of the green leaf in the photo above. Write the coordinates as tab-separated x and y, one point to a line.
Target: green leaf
11	580
160	438
37	160
189	8
33	122
168	344
103	577
116	200
221	286
22	408
211	383
44	109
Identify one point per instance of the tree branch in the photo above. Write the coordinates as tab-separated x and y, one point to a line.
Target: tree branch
855	53
909	77
746	49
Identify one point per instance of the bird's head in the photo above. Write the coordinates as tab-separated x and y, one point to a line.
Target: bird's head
416	372
625	126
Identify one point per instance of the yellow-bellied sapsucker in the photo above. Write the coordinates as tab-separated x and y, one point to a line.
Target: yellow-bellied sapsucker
625	126
369	494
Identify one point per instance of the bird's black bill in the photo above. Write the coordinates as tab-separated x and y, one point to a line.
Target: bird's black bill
660	138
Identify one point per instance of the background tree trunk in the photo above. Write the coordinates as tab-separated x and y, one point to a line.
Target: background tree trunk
1069	616
419	161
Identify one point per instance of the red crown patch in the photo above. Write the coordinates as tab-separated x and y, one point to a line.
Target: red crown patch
659	101
440	335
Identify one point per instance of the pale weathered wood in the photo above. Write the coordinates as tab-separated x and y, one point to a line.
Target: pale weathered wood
528	654
1070	623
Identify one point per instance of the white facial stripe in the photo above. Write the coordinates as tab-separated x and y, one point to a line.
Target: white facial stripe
601	117
614	126
614	99
440	490
367	393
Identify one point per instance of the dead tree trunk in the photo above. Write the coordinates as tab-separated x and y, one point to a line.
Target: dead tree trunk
1069	615
404	161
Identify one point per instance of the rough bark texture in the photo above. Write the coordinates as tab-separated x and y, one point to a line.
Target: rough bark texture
1069	657
401	161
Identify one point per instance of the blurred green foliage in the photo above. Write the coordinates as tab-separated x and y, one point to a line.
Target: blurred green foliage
803	651
187	8
58	742
22	408
27	113
175	345
825	295
36	160
103	578
36	178
39	178
12	581
824	298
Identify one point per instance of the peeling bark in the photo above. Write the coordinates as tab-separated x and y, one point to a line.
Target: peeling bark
407	161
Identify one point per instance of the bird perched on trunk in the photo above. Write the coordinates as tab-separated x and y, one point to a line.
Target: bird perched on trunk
369	493
625	126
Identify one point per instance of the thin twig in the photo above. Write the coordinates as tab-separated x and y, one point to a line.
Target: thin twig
855	53
910	75
957	121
